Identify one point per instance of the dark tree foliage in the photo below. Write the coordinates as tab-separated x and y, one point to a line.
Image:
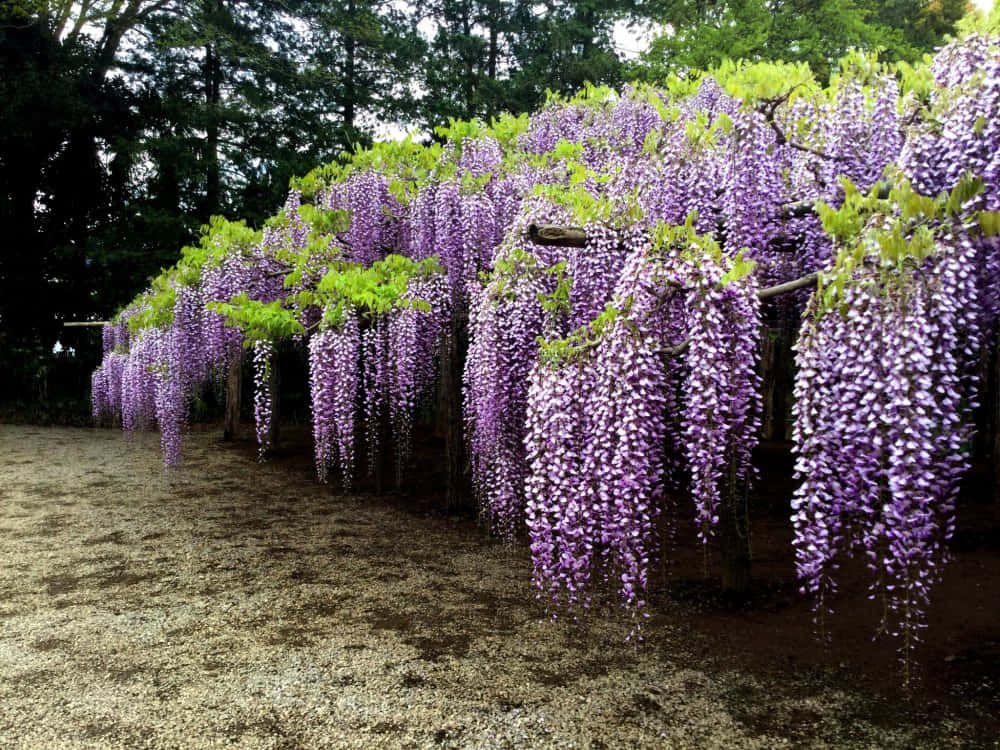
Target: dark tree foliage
362	55
231	112
65	182
565	45
492	56
700	34
125	126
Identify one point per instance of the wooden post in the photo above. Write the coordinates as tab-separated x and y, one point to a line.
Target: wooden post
734	535
776	381
382	452
234	394
274	385
456	495
734	544
768	360
992	388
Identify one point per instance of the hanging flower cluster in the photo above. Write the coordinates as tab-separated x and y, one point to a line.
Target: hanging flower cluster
333	384
598	415
366	197
139	383
170	396
150	378
413	339
223	282
106	386
502	351
883	407
721	407
375	379
263	354
959	137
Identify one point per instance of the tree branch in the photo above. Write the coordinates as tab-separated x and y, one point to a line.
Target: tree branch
555	235
768	109
766	293
283	272
788	286
673	351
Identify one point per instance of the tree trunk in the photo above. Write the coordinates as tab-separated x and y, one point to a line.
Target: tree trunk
114	31
213	85
234	393
494	50
21	263
350	75
469	58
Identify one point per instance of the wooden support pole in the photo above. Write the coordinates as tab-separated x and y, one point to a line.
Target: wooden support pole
995	381
550	234
274	385
381	455
777	381
234	394
788	286
734	548
456	492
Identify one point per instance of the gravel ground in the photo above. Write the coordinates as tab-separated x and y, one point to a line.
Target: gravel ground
235	605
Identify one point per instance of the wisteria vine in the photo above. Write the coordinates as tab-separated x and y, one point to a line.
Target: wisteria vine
613	373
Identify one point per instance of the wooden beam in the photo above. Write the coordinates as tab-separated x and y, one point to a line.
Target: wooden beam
788	286
766	293
551	234
85	323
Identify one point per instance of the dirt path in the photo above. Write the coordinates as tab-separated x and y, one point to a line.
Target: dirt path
235	605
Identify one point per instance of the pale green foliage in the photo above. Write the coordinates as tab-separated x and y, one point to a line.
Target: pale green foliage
556	352
406	162
978	21
220	238
517	264
345	287
765	81
259	321
894	233
322	279
376	290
